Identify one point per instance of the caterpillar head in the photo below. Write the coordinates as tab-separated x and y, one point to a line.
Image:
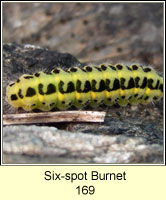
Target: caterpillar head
12	95
17	91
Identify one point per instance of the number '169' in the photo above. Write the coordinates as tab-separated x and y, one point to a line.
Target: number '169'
86	190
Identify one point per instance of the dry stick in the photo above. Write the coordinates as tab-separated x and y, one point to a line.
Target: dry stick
47	117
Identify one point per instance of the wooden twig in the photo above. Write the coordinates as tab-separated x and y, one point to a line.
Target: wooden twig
54	117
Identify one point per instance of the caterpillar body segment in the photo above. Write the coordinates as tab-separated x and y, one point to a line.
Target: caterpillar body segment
153	83
92	85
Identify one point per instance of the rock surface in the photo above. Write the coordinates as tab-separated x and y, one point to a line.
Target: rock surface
43	144
93	33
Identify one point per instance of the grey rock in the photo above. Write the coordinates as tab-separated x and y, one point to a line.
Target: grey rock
43	143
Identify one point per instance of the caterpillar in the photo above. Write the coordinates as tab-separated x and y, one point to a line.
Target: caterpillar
91	85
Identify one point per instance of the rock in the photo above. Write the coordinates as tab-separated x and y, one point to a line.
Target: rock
92	32
50	145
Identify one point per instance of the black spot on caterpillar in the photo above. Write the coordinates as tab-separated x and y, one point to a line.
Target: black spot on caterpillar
91	85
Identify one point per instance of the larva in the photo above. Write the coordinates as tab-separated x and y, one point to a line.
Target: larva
91	85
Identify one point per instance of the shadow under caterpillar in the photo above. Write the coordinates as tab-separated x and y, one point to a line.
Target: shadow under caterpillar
91	85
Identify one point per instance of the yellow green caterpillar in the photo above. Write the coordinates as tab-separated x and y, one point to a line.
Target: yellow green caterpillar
91	85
